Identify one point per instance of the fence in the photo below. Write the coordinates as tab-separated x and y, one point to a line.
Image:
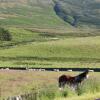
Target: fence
29	96
36	94
51	92
50	69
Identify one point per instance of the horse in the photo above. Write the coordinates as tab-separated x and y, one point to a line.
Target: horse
72	81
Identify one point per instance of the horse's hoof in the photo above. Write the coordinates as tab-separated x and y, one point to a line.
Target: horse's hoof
60	89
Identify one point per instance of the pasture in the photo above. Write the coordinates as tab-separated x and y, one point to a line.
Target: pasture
19	82
50	49
40	38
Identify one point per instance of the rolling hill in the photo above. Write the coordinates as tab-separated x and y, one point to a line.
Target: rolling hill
47	34
50	13
79	12
29	13
50	33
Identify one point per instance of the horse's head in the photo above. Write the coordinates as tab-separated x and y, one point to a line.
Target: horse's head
79	78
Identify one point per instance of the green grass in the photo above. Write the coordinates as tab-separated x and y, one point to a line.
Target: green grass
31	15
22	36
40	38
34	49
88	90
13	83
79	13
83	97
41	14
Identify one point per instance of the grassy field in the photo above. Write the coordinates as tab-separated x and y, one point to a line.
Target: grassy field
21	82
83	97
42	36
44	49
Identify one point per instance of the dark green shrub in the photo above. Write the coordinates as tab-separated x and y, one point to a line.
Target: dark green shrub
5	35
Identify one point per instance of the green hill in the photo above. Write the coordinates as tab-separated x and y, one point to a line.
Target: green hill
79	12
29	13
49	33
50	13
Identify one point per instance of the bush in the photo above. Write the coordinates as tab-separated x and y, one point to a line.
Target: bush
5	35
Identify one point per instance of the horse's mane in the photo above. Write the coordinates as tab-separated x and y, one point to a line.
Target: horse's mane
84	73
81	76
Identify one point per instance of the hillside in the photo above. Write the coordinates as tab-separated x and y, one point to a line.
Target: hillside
50	13
79	12
29	13
49	33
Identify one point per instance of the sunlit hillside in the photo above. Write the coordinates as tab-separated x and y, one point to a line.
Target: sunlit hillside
29	13
50	13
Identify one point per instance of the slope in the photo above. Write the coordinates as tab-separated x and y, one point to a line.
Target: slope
29	13
79	12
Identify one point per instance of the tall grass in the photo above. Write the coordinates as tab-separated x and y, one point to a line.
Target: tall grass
44	84
68	52
90	86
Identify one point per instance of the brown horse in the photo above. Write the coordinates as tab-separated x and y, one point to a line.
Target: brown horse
72	81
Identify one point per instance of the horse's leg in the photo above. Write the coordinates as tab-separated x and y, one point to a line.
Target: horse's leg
61	85
78	89
73	87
